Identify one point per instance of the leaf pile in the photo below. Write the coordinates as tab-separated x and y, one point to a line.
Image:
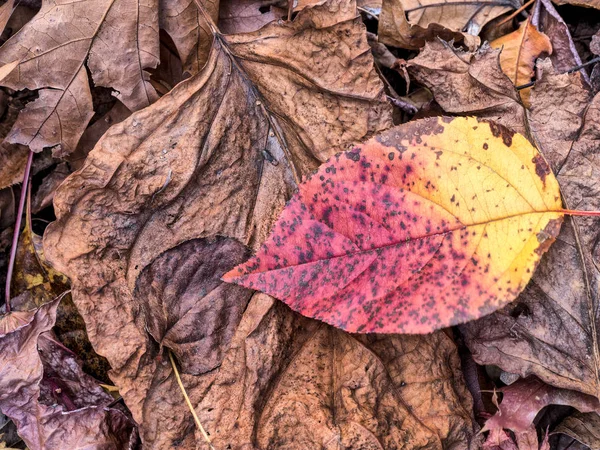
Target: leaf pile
319	224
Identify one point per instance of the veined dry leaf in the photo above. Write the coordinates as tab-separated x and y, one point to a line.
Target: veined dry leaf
456	15
244	16
518	52
469	83
550	331
395	30
53	403
294	383
524	399
116	40
429	224
584	427
218	155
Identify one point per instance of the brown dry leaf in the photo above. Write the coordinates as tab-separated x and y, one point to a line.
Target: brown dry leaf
295	383
53	403
5	12
13	158
116	40
469	83
585	3
584	427
45	192
189	30
395	30
218	155
518	52
564	54
456	15
245	16
550	331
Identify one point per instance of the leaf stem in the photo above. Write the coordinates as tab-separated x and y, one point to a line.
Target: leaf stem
189	403
15	240
574	212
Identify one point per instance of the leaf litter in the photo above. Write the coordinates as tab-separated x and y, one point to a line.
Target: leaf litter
177	140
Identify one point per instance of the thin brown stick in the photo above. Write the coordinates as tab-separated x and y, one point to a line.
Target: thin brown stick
517	12
189	403
15	240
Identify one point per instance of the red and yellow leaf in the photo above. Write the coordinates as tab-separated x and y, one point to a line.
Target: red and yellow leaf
429	224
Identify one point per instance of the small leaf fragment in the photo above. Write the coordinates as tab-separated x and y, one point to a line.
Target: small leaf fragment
430	224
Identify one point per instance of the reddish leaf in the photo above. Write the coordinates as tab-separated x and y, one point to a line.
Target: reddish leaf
427	225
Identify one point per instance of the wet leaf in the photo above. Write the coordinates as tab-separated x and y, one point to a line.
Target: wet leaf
427	225
116	41
219	155
550	331
584	427
518	52
469	83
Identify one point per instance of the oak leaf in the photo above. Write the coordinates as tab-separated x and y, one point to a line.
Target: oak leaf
217	156
116	40
550	331
430	224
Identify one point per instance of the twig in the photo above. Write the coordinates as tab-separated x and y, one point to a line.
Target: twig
15	240
571	70
516	13
189	403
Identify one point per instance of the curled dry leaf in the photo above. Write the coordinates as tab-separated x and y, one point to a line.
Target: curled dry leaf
469	83
116	40
219	155
291	382
583	427
518	52
54	404
395	30
430	224
550	331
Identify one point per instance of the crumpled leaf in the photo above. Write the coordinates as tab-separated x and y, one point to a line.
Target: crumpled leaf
550	331
518	52
53	403
218	155
116	41
456	15
524	399
395	30
245	16
291	382
469	83
429	224
584	427
564	53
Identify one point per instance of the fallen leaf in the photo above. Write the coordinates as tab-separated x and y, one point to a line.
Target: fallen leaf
564	54
45	193
291	382
245	16
469	83
524	399
116	41
79	417
585	3
456	15
518	52
584	427
395	30
430	224
218	155
549	331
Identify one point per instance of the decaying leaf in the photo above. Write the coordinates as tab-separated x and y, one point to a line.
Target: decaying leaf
584	427
469	83
550	331
244	16
53	403
395	30
429	224
524	399
456	15
116	40
218	155
291	382
518	52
